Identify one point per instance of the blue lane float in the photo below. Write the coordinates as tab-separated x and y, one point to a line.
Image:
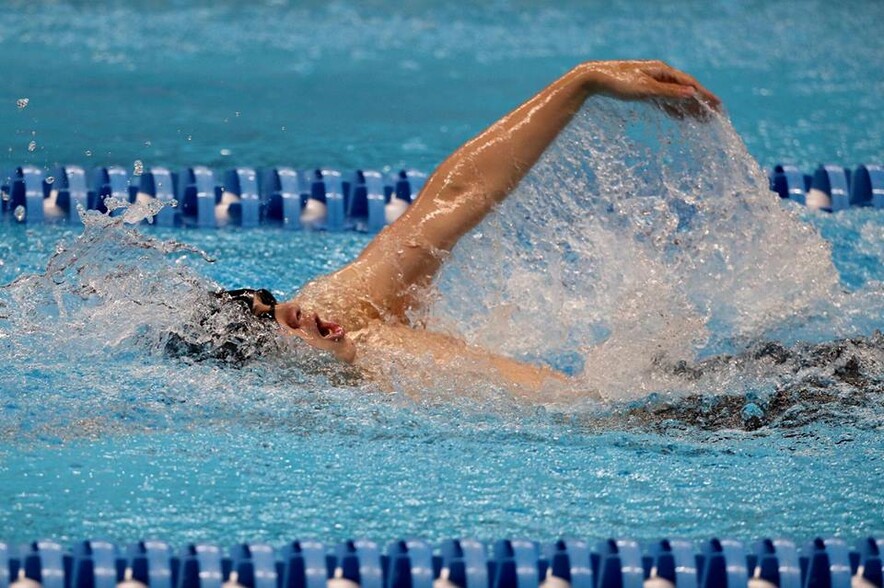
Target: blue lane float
412	563
304	565
197	195
409	564
68	192
322	198
93	565
867	188
147	563
830	187
569	561
776	562
618	562
722	562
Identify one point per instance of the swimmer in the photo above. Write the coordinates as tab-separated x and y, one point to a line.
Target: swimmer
362	310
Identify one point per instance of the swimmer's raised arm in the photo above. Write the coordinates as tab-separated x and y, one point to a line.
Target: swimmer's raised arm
481	173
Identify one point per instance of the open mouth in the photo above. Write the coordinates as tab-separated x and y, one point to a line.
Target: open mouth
328	329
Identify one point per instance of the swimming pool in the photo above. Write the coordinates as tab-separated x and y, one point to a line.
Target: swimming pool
106	435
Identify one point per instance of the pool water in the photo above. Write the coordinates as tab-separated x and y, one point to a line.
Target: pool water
753	407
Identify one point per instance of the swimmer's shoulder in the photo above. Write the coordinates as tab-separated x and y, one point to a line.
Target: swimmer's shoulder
343	297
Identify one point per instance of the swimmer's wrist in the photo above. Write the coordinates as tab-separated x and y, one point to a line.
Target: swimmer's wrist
589	78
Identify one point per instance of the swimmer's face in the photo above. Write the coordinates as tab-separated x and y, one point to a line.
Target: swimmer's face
314	330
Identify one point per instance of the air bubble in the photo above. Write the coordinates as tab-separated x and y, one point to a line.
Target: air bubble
32	146
22	103
49	180
138	168
4	195
225	152
19	213
88	153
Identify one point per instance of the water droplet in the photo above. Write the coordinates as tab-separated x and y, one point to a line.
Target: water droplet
112	203
32	146
88	153
50	179
19	213
22	103
138	168
225	152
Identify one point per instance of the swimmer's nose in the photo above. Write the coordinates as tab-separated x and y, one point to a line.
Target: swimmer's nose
289	314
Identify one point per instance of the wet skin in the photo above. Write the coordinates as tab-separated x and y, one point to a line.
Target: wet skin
366	304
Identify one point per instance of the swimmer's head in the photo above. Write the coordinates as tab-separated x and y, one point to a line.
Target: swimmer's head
293	320
231	327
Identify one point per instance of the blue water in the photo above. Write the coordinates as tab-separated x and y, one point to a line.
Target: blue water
104	434
374	83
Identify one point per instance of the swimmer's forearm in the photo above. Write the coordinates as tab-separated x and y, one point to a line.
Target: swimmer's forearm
486	169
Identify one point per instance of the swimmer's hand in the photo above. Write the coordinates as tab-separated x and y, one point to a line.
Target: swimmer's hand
652	81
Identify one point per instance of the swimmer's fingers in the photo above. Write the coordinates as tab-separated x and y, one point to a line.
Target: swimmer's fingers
681	109
670	109
676	100
679	84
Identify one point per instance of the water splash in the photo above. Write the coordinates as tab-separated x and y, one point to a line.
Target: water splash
111	275
125	331
636	241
